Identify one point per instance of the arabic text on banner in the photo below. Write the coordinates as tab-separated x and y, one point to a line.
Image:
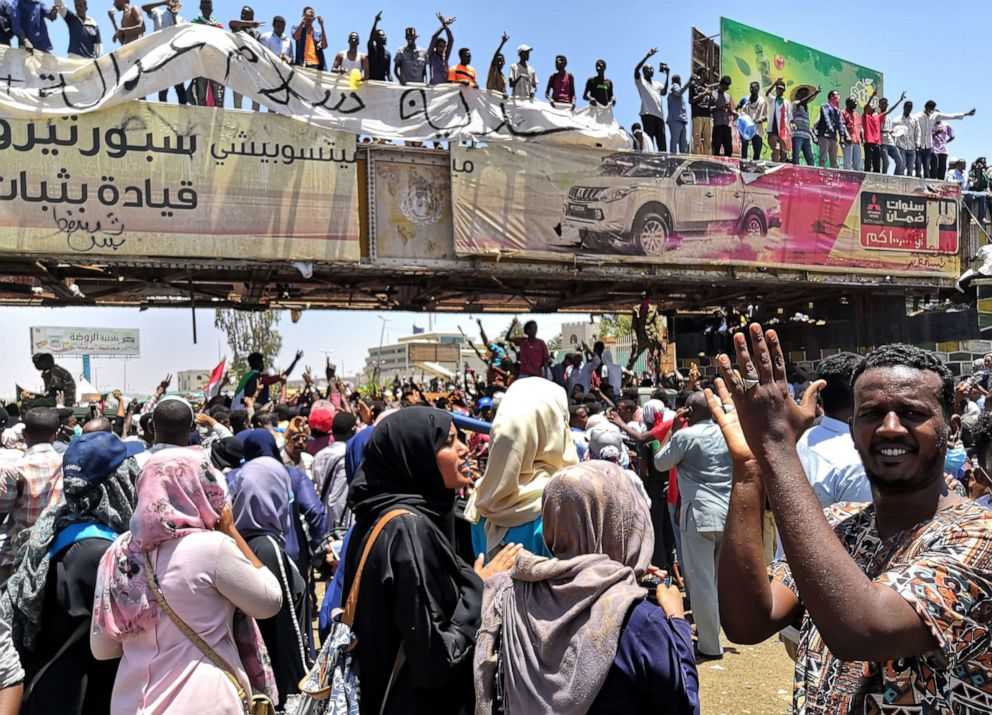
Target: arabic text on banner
145	179
42	85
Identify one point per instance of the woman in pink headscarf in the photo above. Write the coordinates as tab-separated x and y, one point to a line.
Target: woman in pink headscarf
183	527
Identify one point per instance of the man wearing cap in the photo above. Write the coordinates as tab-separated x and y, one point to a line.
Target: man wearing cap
924	140
779	132
410	62
58	382
51	591
523	78
29	485
321	415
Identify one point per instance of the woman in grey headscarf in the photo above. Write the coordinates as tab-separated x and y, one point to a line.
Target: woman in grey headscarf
49	598
574	633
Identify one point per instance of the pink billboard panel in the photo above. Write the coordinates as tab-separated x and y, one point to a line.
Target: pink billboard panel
556	204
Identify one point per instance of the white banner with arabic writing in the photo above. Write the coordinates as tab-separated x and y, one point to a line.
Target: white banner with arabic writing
147	179
43	85
85	341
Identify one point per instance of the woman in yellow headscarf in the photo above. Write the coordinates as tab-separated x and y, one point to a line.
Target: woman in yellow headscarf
529	442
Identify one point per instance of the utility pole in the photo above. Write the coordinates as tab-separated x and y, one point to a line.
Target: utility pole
378	362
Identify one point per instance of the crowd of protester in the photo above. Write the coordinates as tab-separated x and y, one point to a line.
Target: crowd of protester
696	115
543	538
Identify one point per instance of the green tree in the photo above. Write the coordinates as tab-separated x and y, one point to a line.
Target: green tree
249	332
615	325
555	343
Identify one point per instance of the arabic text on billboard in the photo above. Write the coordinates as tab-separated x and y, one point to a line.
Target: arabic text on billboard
85	341
151	179
555	204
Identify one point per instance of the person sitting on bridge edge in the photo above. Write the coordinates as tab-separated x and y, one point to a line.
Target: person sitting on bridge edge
351	59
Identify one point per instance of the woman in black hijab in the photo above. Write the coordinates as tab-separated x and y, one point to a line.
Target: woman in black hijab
417	593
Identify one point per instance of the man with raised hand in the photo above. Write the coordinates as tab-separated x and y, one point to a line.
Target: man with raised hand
893	598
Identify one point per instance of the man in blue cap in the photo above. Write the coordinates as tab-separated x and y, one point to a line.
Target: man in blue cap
49	597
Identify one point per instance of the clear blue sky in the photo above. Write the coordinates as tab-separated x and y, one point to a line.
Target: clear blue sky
917	46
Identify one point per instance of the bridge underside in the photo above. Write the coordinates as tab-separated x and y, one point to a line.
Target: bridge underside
466	285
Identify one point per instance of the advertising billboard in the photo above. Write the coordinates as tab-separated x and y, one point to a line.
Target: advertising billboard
150	179
749	54
85	341
434	352
628	207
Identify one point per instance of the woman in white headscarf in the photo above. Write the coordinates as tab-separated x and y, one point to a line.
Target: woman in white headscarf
530	440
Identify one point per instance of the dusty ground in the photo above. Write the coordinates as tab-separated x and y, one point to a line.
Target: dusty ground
749	680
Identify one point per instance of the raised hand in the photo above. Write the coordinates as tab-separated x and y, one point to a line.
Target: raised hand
769	418
378	16
725	415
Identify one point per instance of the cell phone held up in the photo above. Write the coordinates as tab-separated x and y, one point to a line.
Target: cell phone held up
651	583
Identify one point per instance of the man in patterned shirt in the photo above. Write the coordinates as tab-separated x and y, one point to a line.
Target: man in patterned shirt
31	484
893	599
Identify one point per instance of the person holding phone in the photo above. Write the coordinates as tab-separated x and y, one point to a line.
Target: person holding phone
601	644
310	42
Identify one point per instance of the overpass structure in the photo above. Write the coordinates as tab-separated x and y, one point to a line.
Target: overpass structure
405	265
109	201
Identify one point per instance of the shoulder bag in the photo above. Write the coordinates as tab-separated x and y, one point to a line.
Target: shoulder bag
256	704
332	686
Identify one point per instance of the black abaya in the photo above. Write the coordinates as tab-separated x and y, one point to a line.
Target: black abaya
280	633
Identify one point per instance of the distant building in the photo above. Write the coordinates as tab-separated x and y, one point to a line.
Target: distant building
424	354
192	380
574	334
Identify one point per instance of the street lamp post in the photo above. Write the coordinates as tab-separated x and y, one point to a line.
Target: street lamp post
378	363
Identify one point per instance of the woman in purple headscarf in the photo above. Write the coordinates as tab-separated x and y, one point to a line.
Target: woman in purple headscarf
263	515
